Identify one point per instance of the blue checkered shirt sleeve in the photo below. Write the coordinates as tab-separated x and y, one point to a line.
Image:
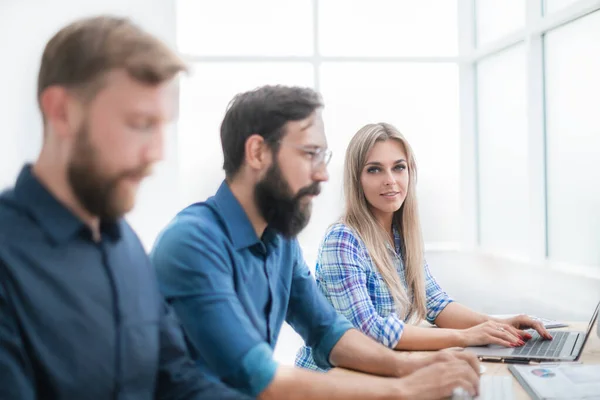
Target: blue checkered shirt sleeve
437	299
347	280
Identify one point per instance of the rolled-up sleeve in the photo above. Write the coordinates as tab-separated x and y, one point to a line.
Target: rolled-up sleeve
342	272
312	316
436	298
197	279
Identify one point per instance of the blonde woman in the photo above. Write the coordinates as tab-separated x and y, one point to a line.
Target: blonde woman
371	265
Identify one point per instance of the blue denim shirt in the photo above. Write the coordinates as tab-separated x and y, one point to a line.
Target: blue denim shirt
84	319
233	290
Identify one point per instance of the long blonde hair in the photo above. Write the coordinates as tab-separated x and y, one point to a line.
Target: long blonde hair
360	218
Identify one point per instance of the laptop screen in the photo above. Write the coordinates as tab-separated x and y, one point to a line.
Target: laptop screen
590	326
598	326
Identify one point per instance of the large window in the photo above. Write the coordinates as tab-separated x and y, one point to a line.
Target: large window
376	60
573	141
503	157
534	68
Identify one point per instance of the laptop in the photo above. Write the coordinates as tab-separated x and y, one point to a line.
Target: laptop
565	346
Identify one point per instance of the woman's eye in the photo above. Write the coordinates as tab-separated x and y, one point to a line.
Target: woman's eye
400	167
372	170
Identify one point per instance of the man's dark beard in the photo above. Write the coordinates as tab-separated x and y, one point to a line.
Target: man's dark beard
94	191
283	211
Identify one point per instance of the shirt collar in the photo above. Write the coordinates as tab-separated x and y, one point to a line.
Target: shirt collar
57	221
397	238
397	241
236	220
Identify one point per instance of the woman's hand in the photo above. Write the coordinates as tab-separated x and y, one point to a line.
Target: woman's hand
492	332
525	322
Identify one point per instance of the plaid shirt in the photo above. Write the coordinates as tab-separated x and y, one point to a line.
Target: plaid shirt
350	281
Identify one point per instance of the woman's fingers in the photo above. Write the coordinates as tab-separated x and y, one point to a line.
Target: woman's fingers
499	332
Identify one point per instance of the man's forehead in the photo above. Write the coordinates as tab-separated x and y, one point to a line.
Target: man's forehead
309	130
139	97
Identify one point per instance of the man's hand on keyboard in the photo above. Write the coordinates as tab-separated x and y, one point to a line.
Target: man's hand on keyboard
444	356
439	380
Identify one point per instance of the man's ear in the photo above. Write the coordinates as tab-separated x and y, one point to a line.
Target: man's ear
62	112
257	152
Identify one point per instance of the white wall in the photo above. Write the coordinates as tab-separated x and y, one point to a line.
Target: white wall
25	27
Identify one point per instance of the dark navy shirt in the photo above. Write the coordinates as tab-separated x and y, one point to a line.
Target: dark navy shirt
84	319
233	290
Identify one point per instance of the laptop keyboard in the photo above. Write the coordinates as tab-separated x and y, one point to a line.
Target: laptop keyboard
538	347
493	387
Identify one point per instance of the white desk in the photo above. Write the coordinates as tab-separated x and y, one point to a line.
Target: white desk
591	355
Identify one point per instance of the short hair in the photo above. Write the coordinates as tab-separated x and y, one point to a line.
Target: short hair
264	111
83	52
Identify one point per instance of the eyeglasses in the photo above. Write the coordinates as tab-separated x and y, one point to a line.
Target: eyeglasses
318	155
